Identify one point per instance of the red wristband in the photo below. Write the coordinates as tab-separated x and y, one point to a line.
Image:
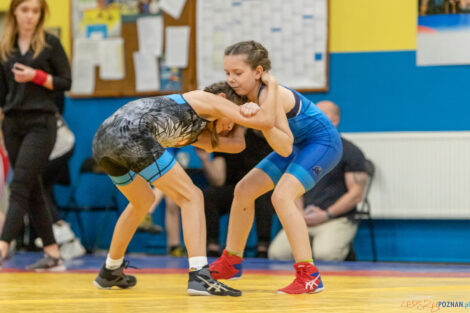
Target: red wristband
40	77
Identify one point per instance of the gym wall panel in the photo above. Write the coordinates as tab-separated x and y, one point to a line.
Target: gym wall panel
59	16
372	25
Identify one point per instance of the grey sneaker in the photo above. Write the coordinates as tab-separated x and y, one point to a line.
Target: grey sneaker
107	279
48	264
201	283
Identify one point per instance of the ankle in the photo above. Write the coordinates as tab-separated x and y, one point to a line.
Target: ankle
306	261
197	262
112	264
234	253
52	250
174	247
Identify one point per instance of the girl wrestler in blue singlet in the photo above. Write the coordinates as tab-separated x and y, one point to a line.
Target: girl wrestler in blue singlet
306	146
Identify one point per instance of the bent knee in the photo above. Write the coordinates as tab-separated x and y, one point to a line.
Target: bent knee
278	199
145	202
329	254
244	190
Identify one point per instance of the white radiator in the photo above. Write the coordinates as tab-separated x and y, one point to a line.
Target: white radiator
418	174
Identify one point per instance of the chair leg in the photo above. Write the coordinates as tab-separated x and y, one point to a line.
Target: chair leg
81	229
351	254
372	240
101	230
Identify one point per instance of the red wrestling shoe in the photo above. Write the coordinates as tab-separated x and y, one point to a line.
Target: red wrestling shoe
307	280
226	267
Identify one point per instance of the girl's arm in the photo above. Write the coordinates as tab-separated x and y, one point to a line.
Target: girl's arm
279	137
59	79
269	100
212	107
233	142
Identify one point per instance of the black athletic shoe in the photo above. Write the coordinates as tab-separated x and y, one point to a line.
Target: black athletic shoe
200	283
107	279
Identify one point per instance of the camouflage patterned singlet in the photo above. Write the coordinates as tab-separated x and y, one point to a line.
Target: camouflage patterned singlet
137	134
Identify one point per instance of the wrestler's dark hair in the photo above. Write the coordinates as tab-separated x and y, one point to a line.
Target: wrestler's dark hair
223	87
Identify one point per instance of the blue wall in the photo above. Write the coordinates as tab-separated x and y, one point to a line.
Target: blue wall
376	92
388	92
416	240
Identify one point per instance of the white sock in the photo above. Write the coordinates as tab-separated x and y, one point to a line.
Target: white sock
197	262
112	264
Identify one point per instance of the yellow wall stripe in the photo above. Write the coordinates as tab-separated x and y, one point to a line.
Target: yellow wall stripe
355	25
4	5
372	25
59	16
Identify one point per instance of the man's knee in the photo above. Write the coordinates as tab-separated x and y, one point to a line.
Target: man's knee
280	248
329	253
277	253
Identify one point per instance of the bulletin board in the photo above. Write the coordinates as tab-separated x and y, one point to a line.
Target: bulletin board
295	32
126	87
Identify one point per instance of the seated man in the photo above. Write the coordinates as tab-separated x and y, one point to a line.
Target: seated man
330	206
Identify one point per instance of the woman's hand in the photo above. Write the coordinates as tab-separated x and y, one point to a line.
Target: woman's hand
249	109
268	79
23	73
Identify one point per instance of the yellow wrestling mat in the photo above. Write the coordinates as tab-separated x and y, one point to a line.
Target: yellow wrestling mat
74	292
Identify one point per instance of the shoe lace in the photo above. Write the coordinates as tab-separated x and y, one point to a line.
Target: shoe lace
300	274
126	264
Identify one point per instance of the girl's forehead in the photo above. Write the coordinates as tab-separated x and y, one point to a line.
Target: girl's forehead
235	61
236	58
35	3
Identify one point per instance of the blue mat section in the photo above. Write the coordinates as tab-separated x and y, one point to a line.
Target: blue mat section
94	262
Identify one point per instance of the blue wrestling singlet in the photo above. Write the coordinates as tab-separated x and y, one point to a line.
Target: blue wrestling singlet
317	145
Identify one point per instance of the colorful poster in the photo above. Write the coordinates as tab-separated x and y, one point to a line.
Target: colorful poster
443	33
170	77
109	18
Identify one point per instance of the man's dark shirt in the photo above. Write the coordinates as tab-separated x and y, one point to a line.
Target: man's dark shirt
237	165
29	96
333	185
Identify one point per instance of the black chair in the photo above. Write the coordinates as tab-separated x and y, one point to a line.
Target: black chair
90	167
363	210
